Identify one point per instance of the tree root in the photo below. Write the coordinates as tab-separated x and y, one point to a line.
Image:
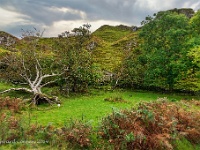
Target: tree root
43	99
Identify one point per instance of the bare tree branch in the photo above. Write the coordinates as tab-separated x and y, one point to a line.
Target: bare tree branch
47	83
24	74
46	76
17	89
51	75
37	76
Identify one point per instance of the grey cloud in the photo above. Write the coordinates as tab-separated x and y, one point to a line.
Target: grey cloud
16	29
38	11
130	12
116	10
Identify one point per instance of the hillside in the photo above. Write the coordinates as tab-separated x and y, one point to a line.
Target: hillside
108	44
113	42
7	40
5	34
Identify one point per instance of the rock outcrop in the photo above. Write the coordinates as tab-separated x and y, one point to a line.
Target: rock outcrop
189	12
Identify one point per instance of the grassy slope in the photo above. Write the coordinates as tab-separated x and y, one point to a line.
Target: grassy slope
2	51
112	42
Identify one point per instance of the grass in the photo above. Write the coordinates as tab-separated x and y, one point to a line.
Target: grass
3	52
112	43
88	107
91	107
111	33
185	145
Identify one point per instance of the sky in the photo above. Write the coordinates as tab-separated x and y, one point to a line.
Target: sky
57	16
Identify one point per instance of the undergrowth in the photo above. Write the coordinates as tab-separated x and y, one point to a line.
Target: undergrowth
116	99
151	126
157	125
13	104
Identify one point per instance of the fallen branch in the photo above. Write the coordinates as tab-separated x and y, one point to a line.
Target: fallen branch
17	89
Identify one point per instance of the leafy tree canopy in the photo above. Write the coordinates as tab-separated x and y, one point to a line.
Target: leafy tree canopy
164	39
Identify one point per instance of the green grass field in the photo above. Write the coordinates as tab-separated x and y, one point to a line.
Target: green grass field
90	107
93	107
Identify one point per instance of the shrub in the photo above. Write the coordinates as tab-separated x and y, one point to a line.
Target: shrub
116	99
77	135
10	124
13	104
9	127
151	126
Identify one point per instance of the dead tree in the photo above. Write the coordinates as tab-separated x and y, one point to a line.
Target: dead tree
29	66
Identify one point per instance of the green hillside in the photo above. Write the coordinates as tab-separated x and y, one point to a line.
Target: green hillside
113	43
112	33
3	52
5	34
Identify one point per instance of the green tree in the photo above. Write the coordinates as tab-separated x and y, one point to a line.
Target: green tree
131	72
195	70
191	82
164	42
195	22
81	71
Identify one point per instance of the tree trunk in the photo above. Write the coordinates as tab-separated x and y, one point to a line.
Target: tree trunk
40	98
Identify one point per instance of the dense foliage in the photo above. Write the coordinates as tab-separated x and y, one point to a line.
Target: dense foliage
81	70
168	56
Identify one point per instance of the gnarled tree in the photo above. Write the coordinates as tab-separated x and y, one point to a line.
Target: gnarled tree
65	62
33	66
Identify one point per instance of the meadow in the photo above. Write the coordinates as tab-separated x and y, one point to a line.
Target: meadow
90	106
78	112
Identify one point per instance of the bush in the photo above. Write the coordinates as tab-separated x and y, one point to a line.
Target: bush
151	126
9	127
116	99
77	135
13	104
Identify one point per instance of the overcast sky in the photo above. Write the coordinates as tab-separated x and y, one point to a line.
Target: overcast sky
56	16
